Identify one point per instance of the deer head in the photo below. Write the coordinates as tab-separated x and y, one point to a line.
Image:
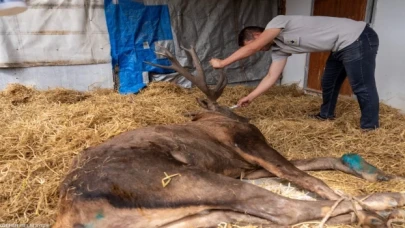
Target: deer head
199	80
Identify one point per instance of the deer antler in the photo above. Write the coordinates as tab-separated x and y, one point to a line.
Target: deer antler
199	80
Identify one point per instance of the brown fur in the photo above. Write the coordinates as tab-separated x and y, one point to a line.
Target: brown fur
120	180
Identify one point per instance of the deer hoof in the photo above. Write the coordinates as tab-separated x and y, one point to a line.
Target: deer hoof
368	219
397	216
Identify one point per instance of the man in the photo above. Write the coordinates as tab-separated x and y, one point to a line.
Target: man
353	46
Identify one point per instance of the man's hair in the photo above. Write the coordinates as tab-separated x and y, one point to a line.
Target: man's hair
247	34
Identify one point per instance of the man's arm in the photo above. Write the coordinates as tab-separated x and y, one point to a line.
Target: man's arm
268	81
265	38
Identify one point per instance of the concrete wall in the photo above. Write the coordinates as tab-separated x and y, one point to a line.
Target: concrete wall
295	69
78	77
388	21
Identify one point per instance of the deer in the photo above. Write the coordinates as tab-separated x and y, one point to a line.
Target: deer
188	175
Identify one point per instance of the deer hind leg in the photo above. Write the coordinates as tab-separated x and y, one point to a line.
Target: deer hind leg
220	218
196	192
215	219
190	194
219	194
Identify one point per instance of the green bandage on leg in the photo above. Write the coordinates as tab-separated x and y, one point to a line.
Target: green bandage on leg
363	168
358	164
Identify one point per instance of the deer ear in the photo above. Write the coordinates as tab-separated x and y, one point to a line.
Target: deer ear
193	115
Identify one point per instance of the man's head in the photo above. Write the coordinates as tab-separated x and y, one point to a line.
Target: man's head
249	34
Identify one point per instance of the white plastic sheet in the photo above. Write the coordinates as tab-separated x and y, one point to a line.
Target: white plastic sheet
55	32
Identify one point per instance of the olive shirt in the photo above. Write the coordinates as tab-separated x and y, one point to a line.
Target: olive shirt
304	34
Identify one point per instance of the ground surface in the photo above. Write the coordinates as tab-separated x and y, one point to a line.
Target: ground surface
41	131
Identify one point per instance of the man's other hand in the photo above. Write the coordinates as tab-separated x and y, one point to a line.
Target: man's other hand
216	63
244	102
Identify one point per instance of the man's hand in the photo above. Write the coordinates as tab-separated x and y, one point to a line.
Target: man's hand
216	63
245	101
268	81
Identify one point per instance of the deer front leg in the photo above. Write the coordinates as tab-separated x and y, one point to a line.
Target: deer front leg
329	163
251	145
273	162
352	164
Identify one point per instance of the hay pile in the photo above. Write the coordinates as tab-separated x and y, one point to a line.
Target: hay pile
42	131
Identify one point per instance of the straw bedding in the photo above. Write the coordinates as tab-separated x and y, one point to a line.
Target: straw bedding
41	131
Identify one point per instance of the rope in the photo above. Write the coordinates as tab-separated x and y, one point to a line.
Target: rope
327	216
352	199
390	221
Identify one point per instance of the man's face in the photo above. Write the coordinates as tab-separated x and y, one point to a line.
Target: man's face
255	35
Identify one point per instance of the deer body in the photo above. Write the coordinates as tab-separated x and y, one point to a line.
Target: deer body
119	182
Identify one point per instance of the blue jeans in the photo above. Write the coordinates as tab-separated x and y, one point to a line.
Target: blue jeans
357	61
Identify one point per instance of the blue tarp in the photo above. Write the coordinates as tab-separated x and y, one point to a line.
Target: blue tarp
133	30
